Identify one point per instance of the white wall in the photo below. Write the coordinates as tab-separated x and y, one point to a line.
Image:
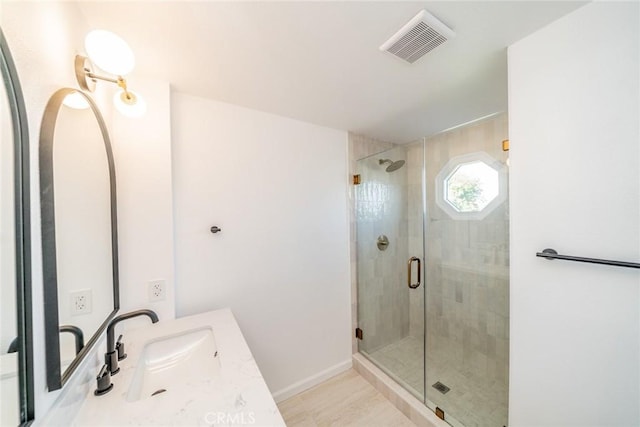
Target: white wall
278	189
44	38
142	152
575	187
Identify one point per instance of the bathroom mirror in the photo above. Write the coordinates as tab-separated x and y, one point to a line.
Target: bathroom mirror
79	230
16	361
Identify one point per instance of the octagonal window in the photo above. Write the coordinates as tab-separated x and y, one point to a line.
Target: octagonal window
471	186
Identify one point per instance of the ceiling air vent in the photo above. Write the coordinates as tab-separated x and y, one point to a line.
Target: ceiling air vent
420	35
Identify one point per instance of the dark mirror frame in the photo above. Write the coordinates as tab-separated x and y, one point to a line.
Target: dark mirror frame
55	378
23	232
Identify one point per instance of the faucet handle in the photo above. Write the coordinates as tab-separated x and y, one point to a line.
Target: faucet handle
111	362
120	349
104	381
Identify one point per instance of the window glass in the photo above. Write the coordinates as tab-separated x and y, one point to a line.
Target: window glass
472	186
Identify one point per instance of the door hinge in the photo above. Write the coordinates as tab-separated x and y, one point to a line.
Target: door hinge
356	179
359	333
505	145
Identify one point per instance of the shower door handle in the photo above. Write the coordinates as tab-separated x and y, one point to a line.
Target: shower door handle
409	282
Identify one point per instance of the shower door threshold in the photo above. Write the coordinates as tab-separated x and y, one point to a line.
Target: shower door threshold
412	407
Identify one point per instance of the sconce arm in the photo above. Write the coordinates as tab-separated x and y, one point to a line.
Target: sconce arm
106	79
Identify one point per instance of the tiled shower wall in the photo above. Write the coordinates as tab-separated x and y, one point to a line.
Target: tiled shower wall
381	209
468	288
406	312
359	148
466	278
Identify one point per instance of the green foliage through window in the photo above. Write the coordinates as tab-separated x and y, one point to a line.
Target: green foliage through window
471	187
465	196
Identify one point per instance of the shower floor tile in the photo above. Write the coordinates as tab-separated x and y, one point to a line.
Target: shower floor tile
404	359
474	398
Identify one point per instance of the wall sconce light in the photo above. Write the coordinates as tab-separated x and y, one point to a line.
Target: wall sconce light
113	55
76	101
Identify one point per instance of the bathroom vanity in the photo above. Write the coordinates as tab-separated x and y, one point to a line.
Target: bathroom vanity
196	370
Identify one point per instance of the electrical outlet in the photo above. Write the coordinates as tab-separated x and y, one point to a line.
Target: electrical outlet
157	290
81	302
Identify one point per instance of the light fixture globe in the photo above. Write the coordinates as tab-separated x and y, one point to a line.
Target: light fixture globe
76	100
130	103
109	52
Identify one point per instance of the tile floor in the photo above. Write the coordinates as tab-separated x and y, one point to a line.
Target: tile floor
344	400
404	359
474	400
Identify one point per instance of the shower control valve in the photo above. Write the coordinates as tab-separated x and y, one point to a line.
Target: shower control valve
215	229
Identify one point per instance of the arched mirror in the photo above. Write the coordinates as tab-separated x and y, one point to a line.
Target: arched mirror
79	230
16	360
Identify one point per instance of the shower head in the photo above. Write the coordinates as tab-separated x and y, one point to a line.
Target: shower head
394	166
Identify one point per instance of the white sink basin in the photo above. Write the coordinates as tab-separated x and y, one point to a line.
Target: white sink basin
179	356
185	359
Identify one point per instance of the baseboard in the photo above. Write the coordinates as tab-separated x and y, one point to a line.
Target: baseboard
311	381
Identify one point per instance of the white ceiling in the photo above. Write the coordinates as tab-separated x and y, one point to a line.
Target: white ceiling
319	61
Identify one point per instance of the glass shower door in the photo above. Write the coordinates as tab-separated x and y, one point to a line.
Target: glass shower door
467	273
389	217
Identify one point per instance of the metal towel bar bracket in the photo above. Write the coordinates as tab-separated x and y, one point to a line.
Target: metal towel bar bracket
552	254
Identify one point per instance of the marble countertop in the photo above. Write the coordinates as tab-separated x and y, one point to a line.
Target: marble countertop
239	396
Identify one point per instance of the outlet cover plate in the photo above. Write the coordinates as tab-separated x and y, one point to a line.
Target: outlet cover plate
81	302
157	290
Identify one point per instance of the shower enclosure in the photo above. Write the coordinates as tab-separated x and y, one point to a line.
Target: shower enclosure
433	270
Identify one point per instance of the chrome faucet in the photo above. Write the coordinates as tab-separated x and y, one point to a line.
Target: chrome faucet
115	353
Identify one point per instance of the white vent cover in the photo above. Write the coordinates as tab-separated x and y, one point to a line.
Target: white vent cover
420	35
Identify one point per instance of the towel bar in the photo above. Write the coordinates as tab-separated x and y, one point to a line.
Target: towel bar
552	254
